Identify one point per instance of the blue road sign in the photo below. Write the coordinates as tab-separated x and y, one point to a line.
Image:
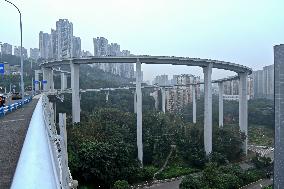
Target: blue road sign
2	70
44	81
36	82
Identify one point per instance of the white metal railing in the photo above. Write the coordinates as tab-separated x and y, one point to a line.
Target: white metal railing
43	160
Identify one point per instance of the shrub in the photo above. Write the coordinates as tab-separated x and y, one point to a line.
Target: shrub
121	184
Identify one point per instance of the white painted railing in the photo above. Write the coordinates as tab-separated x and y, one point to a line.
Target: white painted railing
43	160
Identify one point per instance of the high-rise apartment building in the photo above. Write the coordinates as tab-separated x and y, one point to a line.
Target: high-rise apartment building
180	96
44	45
64	30
100	46
161	80
17	52
53	48
268	81
59	43
34	53
86	53
231	87
76	47
6	48
125	53
103	48
114	49
263	82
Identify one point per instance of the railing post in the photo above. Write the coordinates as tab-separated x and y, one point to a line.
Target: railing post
64	155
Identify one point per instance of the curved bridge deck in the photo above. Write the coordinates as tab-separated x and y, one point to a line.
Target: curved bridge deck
13	128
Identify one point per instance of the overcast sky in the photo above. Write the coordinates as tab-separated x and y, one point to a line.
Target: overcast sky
240	31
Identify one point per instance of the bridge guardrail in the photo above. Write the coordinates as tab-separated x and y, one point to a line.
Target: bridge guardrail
6	109
42	163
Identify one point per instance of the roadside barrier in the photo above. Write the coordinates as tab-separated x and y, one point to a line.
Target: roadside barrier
12	107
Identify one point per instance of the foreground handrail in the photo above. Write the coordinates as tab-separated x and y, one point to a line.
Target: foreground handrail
35	165
40	163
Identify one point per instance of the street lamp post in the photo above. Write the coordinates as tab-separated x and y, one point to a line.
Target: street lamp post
22	66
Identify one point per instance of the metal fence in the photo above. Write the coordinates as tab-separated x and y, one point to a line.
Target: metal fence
6	109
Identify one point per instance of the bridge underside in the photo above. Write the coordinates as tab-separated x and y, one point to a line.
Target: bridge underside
13	129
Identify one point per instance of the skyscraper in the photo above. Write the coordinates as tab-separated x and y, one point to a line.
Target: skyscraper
64	30
6	48
263	82
34	53
100	46
53	52
17	52
76	47
44	45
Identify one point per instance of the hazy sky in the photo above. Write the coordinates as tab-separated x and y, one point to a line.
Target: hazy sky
240	31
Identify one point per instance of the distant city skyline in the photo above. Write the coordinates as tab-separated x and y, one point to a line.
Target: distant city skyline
241	32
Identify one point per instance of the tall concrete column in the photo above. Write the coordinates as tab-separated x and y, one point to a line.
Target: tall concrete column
63	81
107	94
221	112
75	92
51	81
37	79
46	72
156	97
163	91
193	104
208	109
139	111
135	102
279	116
243	108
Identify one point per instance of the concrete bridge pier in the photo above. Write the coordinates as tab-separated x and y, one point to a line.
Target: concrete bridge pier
37	72
107	95
139	111
135	102
221	112
163	91
75	68
243	108
193	104
208	108
51	81
155	96
63	80
156	99
46	72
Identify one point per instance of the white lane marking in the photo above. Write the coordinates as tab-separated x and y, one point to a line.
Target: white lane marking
13	120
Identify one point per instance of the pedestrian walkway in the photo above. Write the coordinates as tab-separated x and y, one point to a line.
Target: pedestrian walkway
13	128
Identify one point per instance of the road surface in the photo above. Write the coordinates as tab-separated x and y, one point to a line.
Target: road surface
166	185
13	129
260	184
